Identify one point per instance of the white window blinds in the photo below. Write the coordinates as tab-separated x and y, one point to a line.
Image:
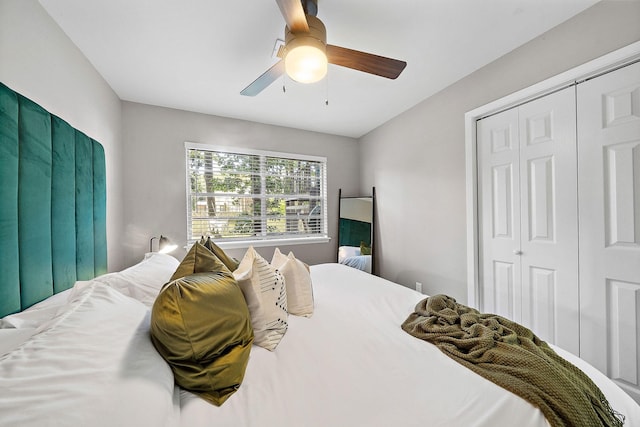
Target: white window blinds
237	194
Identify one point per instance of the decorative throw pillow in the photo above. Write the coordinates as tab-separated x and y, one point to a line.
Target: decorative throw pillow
265	292
231	263
364	249
198	260
298	283
200	325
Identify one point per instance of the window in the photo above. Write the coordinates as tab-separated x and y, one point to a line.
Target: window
237	195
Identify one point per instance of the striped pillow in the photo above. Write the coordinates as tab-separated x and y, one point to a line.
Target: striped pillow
266	295
298	282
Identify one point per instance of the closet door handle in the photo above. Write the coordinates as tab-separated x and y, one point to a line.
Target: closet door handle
517	252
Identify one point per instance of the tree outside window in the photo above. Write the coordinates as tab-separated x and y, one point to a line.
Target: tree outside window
253	195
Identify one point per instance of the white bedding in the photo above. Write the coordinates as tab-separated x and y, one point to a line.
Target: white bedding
92	364
141	282
351	365
351	256
37	314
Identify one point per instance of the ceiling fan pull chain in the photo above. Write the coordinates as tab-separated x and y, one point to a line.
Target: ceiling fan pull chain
326	98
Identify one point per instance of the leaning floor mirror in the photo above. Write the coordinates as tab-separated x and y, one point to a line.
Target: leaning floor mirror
356	230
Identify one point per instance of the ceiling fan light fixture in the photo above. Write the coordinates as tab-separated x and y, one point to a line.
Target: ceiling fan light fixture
305	59
306	53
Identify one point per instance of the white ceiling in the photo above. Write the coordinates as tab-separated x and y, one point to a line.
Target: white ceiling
198	55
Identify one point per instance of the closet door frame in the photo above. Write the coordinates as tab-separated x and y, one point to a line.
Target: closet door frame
603	64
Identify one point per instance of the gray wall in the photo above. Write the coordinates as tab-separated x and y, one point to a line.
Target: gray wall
39	61
154	172
417	160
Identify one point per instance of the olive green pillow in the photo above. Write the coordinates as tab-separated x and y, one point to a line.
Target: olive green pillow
200	325
229	262
365	249
198	260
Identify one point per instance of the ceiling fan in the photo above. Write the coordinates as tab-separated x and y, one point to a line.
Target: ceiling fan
306	53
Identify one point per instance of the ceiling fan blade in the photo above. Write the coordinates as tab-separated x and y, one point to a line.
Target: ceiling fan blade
293	14
262	82
367	62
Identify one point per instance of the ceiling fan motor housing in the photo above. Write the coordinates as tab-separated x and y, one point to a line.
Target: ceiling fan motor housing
317	32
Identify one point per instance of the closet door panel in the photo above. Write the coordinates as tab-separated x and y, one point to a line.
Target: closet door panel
548	197
609	202
499	214
622	193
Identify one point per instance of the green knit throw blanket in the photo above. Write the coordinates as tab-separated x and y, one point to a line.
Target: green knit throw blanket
512	357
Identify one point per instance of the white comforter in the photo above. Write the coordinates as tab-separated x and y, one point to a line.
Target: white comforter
91	365
350	364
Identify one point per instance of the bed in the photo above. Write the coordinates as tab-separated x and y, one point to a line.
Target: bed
85	358
77	346
352	257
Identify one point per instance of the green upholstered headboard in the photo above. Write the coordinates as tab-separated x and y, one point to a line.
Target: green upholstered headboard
52	204
353	232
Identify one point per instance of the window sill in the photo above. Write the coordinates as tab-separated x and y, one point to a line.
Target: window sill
243	244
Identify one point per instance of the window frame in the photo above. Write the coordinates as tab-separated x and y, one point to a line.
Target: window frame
231	243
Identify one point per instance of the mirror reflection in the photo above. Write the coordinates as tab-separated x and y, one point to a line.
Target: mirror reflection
355	232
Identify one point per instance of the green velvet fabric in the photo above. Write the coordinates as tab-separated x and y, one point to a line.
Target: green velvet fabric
229	262
199	259
34	202
200	325
84	207
9	261
352	232
365	249
52	204
63	205
99	210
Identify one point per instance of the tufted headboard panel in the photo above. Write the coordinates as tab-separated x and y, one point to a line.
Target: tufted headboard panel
52	204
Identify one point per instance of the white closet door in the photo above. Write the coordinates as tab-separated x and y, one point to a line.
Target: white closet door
549	231
499	214
609	195
528	217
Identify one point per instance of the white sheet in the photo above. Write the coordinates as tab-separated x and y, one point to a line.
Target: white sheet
12	338
361	262
351	365
350	256
93	364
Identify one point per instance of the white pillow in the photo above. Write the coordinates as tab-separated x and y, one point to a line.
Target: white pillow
345	252
144	280
265	292
141	281
298	282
